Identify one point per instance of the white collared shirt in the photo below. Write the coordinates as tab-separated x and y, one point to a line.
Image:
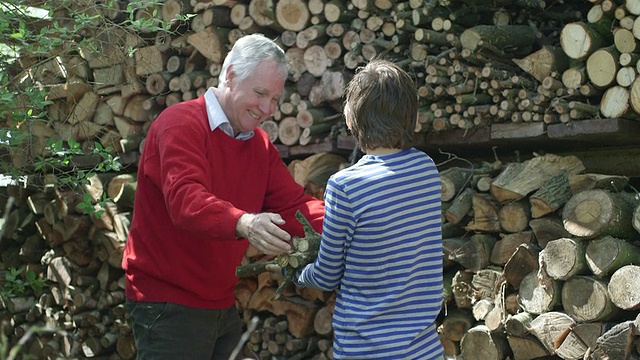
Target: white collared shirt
218	119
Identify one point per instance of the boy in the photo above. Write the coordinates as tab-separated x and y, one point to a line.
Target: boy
381	241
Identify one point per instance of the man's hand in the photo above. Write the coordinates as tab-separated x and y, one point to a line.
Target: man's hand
263	231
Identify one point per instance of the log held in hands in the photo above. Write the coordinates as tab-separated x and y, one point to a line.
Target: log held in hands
305	251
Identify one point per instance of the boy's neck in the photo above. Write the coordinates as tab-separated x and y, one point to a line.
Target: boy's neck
382	151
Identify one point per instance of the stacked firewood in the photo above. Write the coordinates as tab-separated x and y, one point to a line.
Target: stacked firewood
545	263
540	259
604	48
80	310
475	64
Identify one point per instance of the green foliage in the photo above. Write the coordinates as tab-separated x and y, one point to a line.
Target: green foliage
15	285
31	37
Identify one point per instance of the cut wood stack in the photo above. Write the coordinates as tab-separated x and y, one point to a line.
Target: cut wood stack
475	64
79	257
532	274
540	259
604	53
510	229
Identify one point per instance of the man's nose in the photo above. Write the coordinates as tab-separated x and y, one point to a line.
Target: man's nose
267	106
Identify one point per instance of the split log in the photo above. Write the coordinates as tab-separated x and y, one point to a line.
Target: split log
527	348
461	205
462	289
555	192
485	214
523	261
506	247
475	253
551	329
613	343
518	180
449	246
581	182
544	62
487	284
210	42
548	228
538	298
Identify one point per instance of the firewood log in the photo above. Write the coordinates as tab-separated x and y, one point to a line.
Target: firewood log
454	180
564	258
536	298
322	323
599	306
581	182
551	328
527	347
555	192
462	289
595	213
520	179
523	261
607	254
292	15
485	214
475	253
514	216
615	103
461	206
506	247
480	343
613	343
548	228
623	291
456	324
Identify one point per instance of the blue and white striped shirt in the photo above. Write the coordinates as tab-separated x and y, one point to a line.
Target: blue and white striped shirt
382	249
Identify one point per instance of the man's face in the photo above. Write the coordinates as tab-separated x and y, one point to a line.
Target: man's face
255	98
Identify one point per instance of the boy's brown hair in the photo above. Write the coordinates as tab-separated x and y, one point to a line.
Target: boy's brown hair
382	106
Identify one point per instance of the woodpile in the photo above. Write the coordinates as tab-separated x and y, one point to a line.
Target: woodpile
523	241
45	233
540	259
475	63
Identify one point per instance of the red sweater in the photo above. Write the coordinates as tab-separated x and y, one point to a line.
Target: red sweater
193	184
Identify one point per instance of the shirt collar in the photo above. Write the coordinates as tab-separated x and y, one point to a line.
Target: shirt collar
218	119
